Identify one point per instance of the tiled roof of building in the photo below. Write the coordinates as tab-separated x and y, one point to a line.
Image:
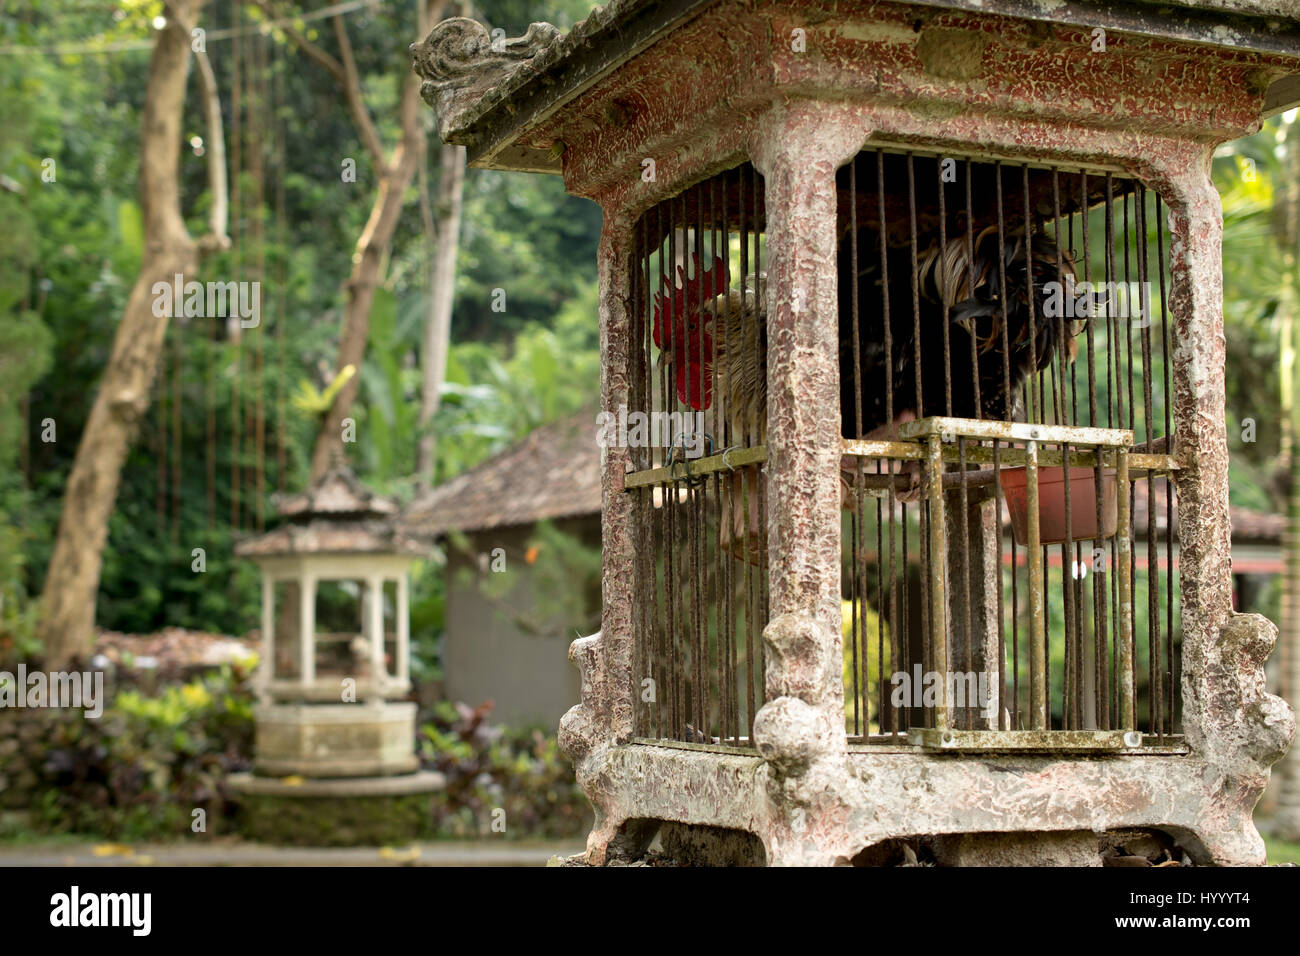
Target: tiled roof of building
553	473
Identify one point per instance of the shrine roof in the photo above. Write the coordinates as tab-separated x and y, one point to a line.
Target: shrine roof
489	91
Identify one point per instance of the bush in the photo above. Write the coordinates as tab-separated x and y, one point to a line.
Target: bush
141	770
489	768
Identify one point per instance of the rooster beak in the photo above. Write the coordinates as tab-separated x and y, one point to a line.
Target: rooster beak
664	360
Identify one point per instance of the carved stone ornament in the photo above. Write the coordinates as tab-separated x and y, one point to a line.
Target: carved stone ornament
460	61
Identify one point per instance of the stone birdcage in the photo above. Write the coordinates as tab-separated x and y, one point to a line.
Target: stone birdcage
815	220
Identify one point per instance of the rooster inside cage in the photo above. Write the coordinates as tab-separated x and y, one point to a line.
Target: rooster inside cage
964	296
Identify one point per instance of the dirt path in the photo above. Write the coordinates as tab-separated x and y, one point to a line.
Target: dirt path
476	853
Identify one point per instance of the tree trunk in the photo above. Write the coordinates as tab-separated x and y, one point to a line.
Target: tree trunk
373	245
395	178
437	328
72	578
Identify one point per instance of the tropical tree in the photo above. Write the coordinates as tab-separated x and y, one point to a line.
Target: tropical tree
68	601
444	239
393	170
73	85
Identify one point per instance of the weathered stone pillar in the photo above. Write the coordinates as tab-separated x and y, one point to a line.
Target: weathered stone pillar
617	532
307	630
604	718
800	729
1228	717
374	611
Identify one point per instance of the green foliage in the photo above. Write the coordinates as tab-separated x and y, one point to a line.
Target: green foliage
568	577
515	15
428	610
1144	630
525	236
1259	274
390	390
155	756
70	256
26	353
487	768
494	396
25	347
316	401
140	771
873	637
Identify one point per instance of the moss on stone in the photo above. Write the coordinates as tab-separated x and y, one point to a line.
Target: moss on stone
336	821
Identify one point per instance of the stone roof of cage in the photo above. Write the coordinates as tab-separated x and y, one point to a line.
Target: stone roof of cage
487	91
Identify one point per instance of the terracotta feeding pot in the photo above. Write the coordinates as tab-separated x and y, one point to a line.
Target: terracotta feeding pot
1051	504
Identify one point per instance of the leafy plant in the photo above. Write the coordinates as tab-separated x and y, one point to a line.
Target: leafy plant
141	770
516	776
872	632
317	402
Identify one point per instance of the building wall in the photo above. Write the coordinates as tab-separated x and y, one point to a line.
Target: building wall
506	642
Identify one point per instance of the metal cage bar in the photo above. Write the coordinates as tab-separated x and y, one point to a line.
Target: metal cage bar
976	347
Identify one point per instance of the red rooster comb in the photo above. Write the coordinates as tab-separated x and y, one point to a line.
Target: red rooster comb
691	345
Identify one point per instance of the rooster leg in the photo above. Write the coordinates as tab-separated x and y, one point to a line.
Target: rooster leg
912	493
847	501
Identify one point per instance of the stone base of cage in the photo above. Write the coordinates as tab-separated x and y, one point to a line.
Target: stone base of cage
810	798
1043	741
1025	804
655	843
